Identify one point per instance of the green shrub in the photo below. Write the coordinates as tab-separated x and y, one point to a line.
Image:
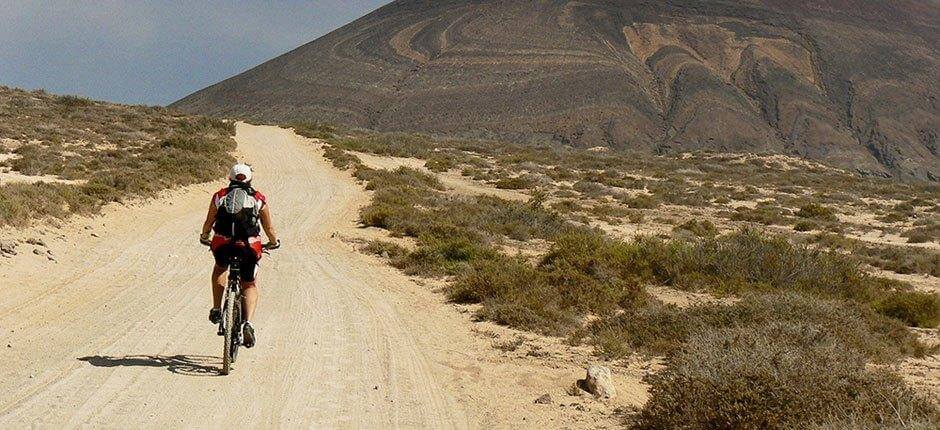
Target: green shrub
551	297
916	309
341	159
315	130
444	256
778	376
816	211
440	163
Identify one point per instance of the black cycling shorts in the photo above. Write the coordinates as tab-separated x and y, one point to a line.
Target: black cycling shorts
248	259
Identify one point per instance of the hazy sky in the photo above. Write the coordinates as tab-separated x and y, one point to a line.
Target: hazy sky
154	51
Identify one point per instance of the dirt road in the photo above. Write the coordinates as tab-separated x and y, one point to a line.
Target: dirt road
115	334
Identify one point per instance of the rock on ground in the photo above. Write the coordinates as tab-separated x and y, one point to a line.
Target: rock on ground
598	382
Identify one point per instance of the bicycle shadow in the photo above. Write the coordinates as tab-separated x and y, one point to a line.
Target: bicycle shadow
189	365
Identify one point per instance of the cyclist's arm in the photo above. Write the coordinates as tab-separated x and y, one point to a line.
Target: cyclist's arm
268	226
210	218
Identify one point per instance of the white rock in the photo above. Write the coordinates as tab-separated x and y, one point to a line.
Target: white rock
599	382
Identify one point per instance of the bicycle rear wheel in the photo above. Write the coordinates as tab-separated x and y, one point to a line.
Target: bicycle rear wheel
230	334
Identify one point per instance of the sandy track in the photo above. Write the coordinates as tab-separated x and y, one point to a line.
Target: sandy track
115	334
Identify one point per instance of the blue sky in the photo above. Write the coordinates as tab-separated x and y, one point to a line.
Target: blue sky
154	51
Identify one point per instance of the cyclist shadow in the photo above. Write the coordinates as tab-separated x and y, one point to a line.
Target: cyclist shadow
189	365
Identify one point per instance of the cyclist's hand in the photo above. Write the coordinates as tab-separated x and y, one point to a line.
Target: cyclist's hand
205	239
270	246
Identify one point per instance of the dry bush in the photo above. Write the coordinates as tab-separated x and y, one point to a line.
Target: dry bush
700	228
783	375
340	158
664	329
642	201
385	249
440	163
315	130
915	309
898	259
926	230
816	211
521	182
766	215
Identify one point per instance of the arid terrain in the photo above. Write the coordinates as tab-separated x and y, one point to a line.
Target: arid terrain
853	83
101	336
108	313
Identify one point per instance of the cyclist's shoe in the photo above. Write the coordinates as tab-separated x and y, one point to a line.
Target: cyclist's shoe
215	316
248	333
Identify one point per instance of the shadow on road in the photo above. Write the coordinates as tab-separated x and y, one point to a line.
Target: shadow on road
191	365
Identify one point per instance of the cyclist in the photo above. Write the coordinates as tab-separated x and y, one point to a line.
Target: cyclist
234	216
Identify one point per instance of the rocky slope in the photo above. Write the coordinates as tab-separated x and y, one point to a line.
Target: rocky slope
851	82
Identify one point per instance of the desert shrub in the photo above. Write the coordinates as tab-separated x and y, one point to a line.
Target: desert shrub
315	130
440	163
898	259
927	230
700	228
69	101
779	376
515	183
443	256
385	249
916	309
553	296
816	211
610	212
394	144
402	177
804	226
750	260
642	201
590	189
766	215
566	206
664	329
341	159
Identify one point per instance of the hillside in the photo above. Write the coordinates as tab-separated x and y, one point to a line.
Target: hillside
65	155
852	82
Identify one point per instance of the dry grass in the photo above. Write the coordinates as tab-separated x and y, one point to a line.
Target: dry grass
778	376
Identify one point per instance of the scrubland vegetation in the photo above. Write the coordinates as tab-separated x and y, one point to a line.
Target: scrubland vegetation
792	350
99	153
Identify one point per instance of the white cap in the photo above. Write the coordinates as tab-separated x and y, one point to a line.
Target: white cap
243	170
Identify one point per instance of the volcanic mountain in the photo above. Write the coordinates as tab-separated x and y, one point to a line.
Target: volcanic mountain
851	82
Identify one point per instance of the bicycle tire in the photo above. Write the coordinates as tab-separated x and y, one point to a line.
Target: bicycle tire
237	317
229	319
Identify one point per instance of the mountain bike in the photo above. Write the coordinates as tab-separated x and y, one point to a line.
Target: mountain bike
232	313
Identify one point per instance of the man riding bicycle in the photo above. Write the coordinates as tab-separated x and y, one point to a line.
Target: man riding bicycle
236	215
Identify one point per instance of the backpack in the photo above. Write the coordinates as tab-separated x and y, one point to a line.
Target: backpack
238	214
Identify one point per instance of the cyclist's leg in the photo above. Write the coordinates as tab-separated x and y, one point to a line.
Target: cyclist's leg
218	274
218	285
250	291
